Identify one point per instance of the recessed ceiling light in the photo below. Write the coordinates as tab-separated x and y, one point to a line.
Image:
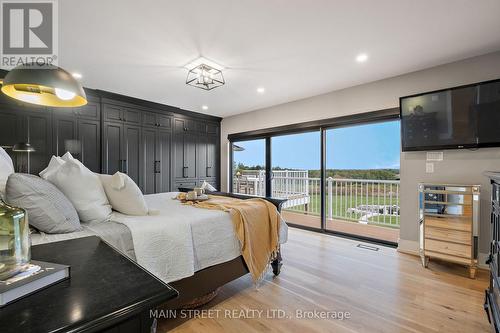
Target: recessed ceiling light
204	107
77	75
362	57
261	90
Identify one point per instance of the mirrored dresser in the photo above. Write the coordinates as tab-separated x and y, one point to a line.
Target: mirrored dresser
449	223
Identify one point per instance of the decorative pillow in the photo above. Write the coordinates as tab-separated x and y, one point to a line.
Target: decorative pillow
208	187
55	163
48	209
67	157
84	189
6	169
124	194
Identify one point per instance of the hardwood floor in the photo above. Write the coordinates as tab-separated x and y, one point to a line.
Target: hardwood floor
384	291
346	227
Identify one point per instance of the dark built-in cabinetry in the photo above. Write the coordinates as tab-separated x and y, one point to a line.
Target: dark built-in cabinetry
160	147
492	300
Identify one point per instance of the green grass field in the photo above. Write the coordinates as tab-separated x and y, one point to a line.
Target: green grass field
340	208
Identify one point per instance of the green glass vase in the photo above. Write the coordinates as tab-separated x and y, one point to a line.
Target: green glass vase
15	253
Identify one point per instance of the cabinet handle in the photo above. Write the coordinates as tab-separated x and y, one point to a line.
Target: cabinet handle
184	169
123	166
208	169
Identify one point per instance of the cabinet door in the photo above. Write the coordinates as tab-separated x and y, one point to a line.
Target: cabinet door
202	157
132	116
89	136
40	137
212	128
163	148
111	147
112	113
91	110
10	133
164	122
212	157
178	147
149	119
148	160
131	151
190	141
66	136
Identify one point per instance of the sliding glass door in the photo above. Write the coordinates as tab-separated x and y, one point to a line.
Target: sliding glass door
249	167
340	179
296	165
362	180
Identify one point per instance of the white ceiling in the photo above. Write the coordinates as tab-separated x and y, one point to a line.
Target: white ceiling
293	48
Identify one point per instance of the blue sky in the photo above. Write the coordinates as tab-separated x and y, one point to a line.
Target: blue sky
371	146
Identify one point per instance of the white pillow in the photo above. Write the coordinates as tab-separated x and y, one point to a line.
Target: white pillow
84	189
124	194
67	157
208	187
6	169
55	163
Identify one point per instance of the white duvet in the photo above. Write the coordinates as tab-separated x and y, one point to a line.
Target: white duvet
182	239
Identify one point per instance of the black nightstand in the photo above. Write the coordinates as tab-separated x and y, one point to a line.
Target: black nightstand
107	292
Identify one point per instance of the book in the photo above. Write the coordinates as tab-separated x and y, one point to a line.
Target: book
36	276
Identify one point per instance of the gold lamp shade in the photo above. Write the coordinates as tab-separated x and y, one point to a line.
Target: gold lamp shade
44	85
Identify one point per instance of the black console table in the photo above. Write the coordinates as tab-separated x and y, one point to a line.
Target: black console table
107	292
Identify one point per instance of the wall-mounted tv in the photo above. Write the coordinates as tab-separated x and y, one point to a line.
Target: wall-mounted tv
460	117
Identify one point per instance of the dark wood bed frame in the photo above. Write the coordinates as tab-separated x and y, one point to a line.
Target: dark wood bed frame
211	278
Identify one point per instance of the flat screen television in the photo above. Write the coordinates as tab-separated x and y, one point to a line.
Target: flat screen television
461	117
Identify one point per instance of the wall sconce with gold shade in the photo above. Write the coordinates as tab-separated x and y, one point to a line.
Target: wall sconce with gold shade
45	85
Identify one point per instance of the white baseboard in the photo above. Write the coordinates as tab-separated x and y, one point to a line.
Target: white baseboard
408	247
481	261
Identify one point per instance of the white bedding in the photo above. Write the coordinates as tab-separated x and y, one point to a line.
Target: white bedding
172	245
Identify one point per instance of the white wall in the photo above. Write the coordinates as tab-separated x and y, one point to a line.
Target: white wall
458	166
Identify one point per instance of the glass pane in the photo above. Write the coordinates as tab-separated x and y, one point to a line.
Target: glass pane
296	162
362	185
249	167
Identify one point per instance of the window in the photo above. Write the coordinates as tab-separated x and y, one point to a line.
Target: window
339	175
249	167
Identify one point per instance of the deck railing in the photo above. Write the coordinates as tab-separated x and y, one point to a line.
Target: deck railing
360	200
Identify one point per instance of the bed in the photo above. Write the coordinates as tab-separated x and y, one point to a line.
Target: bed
216	257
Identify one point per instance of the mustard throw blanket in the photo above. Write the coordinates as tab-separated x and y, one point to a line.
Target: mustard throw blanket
256	222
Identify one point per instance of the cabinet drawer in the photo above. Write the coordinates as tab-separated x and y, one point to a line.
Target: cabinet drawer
185	185
455	223
447	257
453	249
450	235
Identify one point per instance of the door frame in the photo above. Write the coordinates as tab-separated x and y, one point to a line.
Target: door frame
318	125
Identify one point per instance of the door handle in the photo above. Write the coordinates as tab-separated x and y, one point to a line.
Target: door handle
184	169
